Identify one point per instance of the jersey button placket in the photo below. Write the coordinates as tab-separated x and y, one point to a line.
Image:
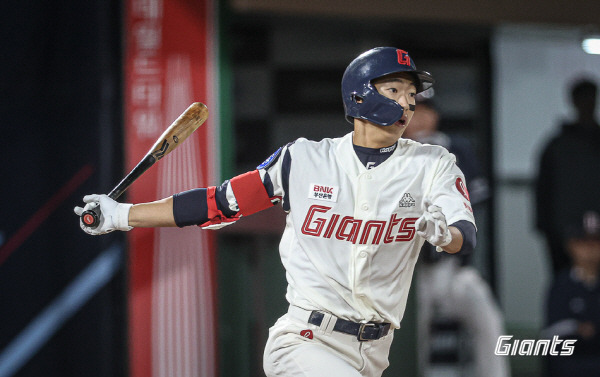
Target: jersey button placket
364	200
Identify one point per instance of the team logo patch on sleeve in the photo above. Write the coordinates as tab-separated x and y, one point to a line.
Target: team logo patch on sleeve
462	188
323	192
270	160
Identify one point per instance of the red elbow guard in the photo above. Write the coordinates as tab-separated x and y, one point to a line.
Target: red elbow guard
215	216
250	193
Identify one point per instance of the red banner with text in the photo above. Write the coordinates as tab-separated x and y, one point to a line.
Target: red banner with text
169	59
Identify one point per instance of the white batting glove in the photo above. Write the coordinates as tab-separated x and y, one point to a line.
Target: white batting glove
432	226
113	215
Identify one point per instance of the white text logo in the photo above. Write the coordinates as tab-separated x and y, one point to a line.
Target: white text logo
529	347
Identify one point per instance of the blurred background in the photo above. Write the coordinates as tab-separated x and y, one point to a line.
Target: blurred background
88	86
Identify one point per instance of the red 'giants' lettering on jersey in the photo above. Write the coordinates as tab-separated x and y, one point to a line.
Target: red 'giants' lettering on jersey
396	229
462	188
403	57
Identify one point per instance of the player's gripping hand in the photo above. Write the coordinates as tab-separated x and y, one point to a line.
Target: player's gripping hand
432	226
113	215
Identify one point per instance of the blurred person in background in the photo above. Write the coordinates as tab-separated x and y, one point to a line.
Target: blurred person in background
573	302
453	299
568	175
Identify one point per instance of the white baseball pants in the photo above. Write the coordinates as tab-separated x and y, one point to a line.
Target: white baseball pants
296	348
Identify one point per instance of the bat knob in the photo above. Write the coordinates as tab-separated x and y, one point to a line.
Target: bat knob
90	218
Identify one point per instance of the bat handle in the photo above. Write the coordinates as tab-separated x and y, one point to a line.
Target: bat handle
91	217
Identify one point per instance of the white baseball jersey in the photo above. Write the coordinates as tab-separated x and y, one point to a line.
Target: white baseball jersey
350	246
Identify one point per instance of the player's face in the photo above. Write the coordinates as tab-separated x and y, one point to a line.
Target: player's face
398	87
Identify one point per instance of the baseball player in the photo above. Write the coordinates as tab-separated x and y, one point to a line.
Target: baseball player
359	208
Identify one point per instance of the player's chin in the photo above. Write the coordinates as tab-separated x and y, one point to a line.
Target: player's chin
402	124
393	131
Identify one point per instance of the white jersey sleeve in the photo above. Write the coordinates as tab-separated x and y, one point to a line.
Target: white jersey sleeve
275	171
448	189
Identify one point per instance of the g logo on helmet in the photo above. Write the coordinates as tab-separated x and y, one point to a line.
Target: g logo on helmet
403	57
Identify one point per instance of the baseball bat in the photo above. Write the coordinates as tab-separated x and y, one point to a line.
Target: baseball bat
192	118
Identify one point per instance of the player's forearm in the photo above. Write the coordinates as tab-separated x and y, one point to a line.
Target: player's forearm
153	214
457	241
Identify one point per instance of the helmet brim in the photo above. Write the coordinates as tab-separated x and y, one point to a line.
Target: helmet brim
424	80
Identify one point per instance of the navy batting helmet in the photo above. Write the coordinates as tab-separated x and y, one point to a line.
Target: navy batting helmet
361	99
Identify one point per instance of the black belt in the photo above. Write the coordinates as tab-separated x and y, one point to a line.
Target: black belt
362	331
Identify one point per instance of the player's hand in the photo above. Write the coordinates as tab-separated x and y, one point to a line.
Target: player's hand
113	215
432	226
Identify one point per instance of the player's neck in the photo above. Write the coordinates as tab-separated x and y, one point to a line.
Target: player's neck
370	135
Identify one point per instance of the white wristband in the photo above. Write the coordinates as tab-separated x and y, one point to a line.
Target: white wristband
121	217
